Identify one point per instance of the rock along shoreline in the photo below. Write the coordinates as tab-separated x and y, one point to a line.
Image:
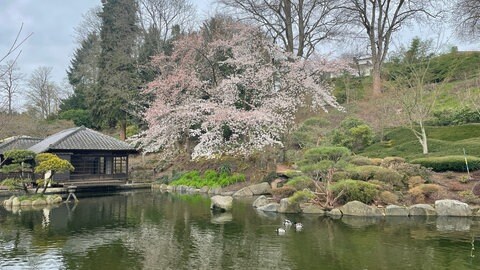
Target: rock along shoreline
222	200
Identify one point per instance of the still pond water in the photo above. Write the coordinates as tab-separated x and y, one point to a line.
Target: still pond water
153	230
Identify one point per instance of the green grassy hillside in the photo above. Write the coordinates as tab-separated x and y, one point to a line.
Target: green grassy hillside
445	140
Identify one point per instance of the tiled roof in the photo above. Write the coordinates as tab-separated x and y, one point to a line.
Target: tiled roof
81	138
17	142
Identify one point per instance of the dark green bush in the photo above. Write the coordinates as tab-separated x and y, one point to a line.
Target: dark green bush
355	190
310	132
353	133
459	116
449	163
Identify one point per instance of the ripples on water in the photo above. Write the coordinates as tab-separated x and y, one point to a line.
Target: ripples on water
149	230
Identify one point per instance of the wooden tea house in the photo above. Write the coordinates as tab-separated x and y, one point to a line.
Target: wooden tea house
98	159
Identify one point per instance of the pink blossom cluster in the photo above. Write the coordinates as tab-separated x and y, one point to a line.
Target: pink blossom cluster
232	94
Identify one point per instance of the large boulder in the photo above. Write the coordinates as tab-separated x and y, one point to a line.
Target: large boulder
244	192
223	203
214	191
312	209
53	199
261	201
421	210
271	207
261	189
253	190
8	202
356	208
396	211
287	207
15	202
39	202
334	213
452	208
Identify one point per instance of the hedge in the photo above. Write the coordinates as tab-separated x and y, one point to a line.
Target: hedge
449	163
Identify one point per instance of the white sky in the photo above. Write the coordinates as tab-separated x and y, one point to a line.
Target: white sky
52	23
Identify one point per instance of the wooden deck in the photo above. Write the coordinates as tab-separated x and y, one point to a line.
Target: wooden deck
93	183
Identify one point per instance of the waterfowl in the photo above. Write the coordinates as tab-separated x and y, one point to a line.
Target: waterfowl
280	231
287	223
298	226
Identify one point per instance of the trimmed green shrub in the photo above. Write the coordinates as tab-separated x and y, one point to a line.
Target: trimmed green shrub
379	173
360	161
392	162
300	182
301	196
355	190
318	154
449	163
353	133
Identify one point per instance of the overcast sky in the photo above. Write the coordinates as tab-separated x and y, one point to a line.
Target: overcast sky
52	23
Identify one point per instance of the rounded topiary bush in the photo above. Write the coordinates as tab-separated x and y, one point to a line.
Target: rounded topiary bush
302	196
355	190
360	161
449	163
300	182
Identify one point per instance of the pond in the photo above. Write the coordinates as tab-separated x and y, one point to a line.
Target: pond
154	230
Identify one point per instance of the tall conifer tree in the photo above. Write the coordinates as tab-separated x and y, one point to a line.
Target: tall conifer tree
118	78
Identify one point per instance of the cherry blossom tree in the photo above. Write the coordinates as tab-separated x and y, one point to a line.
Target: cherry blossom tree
231	91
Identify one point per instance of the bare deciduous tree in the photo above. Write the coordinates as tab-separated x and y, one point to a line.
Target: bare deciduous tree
91	24
14	48
43	94
466	18
163	15
297	25
381	19
9	83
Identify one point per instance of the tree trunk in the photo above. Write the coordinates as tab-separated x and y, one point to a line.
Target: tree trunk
123	129
288	25
377	81
423	141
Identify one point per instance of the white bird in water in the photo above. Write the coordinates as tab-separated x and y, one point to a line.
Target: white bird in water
280	231
298	226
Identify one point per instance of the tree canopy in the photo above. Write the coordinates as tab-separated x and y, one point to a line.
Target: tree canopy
231	91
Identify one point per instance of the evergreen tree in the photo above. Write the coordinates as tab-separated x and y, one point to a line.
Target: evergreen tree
83	76
118	77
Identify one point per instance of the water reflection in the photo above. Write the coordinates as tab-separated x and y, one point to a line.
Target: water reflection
150	230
